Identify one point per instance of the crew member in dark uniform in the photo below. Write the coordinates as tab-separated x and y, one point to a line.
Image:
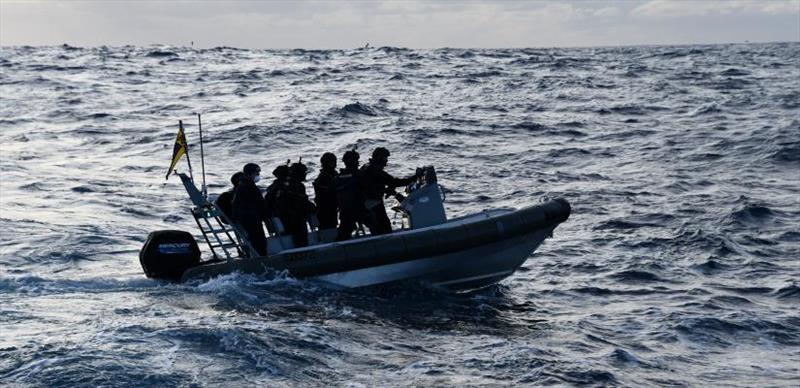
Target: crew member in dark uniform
325	192
248	208
281	174
293	206
224	201
349	197
374	182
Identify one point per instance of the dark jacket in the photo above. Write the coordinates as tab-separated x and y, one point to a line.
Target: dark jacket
292	201
325	198
225	203
348	194
374	182
325	189
270	196
248	205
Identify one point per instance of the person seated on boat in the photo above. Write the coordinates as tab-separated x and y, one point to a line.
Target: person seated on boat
325	192
223	202
248	208
281	174
349	197
293	206
374	182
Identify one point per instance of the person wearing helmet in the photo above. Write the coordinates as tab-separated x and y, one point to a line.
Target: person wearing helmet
325	192
374	183
293	206
349	197
224	201
281	174
248	208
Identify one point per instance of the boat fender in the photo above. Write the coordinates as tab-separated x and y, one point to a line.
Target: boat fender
166	254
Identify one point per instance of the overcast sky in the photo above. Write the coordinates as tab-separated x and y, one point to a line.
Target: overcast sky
414	24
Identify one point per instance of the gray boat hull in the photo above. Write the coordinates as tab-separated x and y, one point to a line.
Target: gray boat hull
457	271
462	254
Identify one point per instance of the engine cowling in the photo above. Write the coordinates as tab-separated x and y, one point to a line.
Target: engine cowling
168	253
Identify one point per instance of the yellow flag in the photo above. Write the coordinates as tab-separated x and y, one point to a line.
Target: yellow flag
179	149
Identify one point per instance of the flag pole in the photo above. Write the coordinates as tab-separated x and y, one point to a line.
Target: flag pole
191	175
202	159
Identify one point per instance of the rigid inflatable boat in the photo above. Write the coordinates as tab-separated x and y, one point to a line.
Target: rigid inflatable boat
459	254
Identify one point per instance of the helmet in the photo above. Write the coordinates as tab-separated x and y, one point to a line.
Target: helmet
235	178
298	170
251	168
281	172
328	159
380	153
350	156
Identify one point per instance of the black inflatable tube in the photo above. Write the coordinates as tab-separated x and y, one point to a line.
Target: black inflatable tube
416	245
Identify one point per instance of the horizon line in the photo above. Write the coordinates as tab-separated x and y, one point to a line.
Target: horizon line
404	47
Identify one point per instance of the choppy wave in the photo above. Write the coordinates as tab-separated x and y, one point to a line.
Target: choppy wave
681	255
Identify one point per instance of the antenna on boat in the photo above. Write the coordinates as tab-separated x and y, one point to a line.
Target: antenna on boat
202	159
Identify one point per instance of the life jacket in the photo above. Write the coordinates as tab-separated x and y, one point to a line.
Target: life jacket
348	194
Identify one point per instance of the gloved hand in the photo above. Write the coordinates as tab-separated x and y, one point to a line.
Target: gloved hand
399	197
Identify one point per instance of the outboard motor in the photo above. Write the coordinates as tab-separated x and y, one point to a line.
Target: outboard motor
168	253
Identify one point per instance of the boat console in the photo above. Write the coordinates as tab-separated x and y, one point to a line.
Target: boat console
423	204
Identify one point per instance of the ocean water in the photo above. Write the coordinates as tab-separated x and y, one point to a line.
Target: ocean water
680	264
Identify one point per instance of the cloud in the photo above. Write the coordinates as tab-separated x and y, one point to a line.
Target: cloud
606	12
412	23
671	8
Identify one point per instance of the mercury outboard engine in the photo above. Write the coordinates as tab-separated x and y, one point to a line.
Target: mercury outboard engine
168	253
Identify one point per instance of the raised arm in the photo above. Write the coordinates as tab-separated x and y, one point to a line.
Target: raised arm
392	182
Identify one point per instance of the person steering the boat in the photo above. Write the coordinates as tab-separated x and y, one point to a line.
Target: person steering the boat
374	183
248	208
325	192
293	206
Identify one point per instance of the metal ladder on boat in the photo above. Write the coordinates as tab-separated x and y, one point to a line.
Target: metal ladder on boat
223	237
